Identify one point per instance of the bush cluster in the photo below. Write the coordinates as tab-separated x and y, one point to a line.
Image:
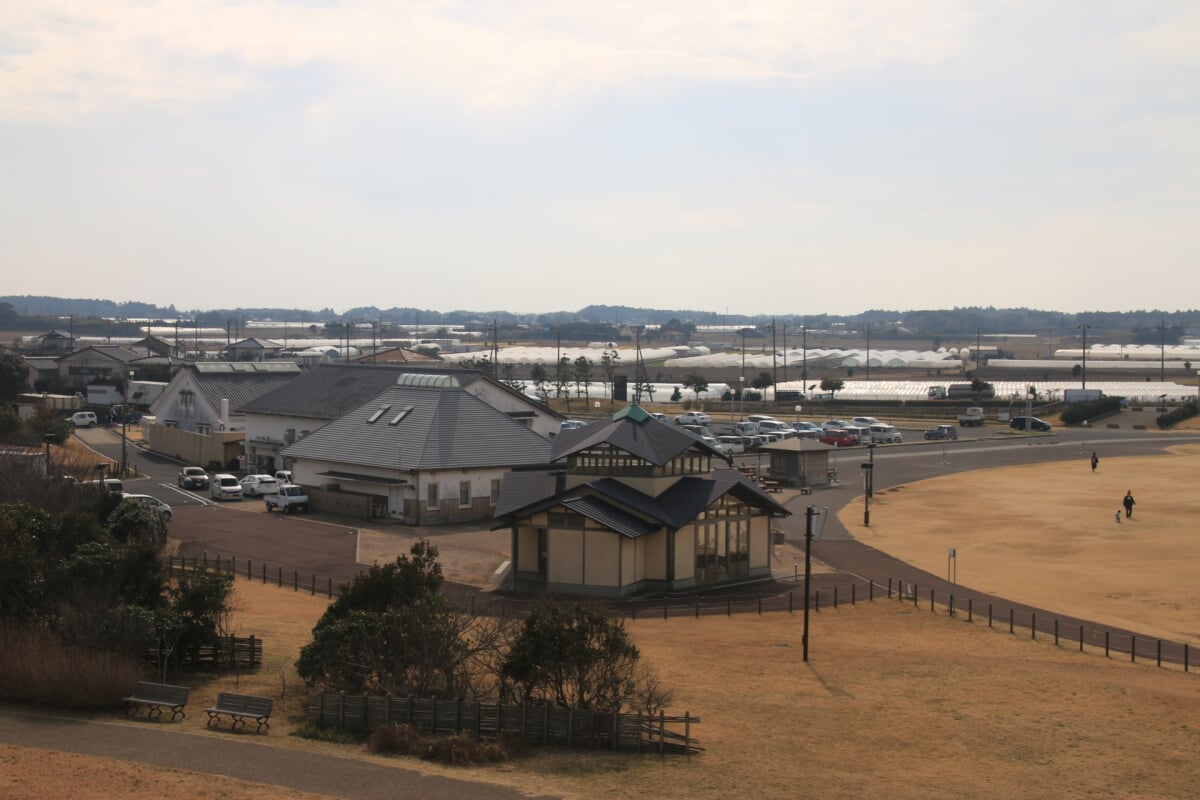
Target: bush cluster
461	749
1093	409
1179	414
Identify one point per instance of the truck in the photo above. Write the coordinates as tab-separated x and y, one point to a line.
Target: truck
972	417
937	392
290	497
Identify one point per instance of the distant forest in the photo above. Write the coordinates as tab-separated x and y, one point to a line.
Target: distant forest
597	320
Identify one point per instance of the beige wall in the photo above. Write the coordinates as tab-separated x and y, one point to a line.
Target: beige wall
685	552
192	447
652	556
760	542
566	557
527	549
601	558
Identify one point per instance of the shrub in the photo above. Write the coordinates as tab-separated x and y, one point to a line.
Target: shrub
1078	412
35	667
327	733
1185	411
460	748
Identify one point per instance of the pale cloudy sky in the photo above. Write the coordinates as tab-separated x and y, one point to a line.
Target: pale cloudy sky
535	155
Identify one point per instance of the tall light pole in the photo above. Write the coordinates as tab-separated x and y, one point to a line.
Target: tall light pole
1162	351
1083	372
868	352
812	533
804	348
868	485
124	424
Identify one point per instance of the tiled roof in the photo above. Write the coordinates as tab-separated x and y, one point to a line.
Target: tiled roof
674	508
610	516
239	383
635	432
331	390
424	428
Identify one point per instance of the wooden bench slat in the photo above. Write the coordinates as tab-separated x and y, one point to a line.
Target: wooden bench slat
240	708
157	696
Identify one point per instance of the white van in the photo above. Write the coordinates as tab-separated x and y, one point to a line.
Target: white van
783	429
225	487
886	434
84	419
745	428
863	434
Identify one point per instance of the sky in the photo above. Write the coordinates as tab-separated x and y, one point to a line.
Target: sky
543	155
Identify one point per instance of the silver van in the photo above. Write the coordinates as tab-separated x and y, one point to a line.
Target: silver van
886	434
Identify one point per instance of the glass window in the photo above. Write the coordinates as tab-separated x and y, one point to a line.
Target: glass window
203	429
431	495
464	494
495	491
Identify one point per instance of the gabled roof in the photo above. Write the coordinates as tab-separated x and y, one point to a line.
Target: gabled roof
398	355
117	352
256	343
239	382
523	494
413	427
633	430
331	390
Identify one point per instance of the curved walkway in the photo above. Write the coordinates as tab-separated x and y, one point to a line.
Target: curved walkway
348	778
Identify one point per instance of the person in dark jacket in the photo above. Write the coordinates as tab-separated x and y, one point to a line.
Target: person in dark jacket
1128	503
1095	461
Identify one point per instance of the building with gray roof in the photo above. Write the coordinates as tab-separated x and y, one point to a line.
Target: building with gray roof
424	450
634	505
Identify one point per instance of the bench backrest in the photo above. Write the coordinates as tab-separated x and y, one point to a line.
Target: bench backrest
162	692
245	704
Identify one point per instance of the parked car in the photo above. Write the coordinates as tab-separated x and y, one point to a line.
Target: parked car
866	422
716	444
84	419
942	432
283	476
693	418
734	444
289	497
113	485
258	485
838	438
699	430
193	478
660	416
886	434
862	433
745	427
784	430
570	424
150	501
1029	424
224	486
760	418
834	424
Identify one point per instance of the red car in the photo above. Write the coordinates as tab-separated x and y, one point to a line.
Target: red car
838	438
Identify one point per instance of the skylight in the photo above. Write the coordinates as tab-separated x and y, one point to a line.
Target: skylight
401	414
375	417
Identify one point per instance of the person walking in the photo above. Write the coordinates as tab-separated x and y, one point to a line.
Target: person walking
1095	460
1128	503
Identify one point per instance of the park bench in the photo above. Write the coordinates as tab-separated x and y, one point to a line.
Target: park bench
240	708
156	697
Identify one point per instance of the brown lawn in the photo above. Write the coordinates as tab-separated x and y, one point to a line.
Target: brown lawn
895	701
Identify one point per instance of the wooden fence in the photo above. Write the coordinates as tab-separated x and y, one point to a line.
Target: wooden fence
224	652
571	727
291	578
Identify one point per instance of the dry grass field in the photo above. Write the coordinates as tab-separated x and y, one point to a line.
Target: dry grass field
895	701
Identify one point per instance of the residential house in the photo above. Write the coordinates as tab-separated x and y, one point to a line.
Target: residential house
254	349
208	396
425	451
399	355
320	395
637	507
56	341
109	365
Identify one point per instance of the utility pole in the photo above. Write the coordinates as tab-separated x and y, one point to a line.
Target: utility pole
868	352
1162	351
1083	372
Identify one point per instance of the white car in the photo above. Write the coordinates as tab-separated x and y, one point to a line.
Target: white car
149	501
257	485
732	444
835	425
660	416
571	424
84	419
866	422
886	434
225	487
692	418
712	442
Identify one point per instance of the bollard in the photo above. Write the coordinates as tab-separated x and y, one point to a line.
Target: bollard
835	597
817	600
889	588
1010	621
970	609
1106	644
789	604
1081	638
1160	652
853	594
1133	648
1056	633
1033	626
950	606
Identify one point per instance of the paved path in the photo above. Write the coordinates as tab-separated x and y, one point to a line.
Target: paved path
157	744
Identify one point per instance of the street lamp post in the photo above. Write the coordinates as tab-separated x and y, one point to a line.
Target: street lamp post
868	484
814	523
804	351
1083	371
868	352
1162	351
124	424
